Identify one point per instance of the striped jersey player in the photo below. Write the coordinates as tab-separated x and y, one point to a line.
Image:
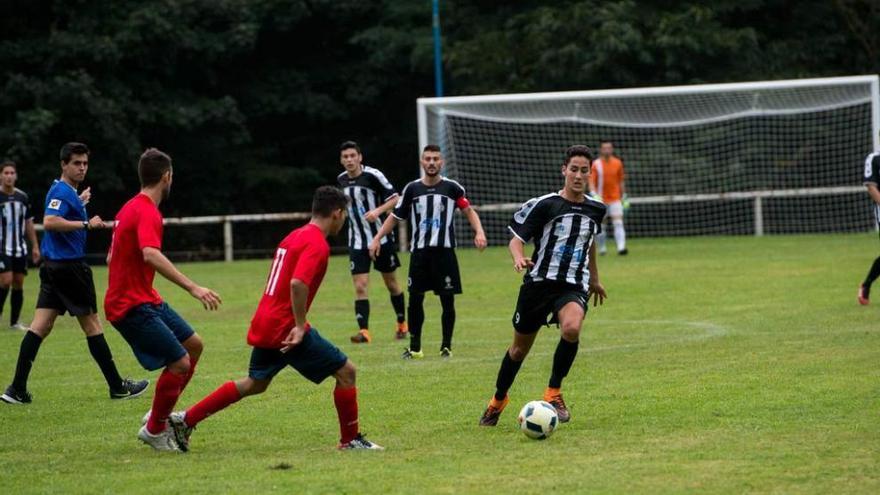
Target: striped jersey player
560	278
370	196
429	204
16	228
872	182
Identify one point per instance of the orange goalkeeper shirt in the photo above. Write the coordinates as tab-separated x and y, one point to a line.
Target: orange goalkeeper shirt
606	178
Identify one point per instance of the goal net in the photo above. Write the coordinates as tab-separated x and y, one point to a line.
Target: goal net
745	158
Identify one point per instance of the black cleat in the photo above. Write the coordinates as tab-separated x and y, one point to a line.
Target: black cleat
130	389
623	252
445	353
14	396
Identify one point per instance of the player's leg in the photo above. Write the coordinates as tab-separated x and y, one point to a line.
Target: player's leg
44	319
615	211
345	400
184	333
387	263
447	283
571	317
99	349
5	280
360	277
865	288
447	322
16	298
418	282
602	236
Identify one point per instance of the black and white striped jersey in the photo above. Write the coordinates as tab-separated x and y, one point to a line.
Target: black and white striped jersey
430	210
872	176
365	192
563	232
16	211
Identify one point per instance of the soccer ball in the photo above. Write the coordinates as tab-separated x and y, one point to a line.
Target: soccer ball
538	419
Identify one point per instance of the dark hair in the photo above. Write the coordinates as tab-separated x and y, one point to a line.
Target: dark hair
152	166
604	141
328	199
8	163
71	149
348	145
431	147
578	150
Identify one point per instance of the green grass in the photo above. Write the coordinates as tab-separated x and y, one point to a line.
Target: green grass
717	365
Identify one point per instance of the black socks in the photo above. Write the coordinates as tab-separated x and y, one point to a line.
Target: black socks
397	302
362	313
102	355
416	320
15	303
872	276
506	375
447	301
30	344
563	358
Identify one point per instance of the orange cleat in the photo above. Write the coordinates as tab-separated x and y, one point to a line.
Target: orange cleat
362	337
402	331
493	411
554	397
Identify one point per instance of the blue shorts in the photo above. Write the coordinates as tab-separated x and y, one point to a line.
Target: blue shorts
314	358
154	333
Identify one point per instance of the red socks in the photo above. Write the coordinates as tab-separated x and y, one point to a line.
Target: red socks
168	389
192	371
226	395
347	410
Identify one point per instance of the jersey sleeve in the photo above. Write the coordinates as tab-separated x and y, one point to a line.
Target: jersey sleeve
382	186
56	205
402	209
529	220
460	196
872	169
149	231
310	261
28	209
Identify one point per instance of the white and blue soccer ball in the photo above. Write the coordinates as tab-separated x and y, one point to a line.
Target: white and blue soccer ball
538	419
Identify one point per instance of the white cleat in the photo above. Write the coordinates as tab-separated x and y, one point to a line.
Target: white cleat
19	327
360	443
146	417
163	441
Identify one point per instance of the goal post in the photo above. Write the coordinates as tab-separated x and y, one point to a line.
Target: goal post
751	158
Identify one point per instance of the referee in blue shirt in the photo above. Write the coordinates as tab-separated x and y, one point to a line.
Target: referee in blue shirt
66	283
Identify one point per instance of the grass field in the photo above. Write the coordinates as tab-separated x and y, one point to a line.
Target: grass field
717	365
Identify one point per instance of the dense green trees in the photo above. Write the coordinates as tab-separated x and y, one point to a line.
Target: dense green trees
251	97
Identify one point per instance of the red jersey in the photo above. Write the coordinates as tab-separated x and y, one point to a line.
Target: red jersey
302	255
138	226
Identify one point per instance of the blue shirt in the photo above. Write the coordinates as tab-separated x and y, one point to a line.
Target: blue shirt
63	201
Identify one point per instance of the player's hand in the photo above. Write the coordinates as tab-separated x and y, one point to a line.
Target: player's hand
96	223
371	216
522	264
480	241
35	255
85	196
293	338
209	299
375	246
598	293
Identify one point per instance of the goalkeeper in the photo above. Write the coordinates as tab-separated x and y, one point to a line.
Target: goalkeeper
607	186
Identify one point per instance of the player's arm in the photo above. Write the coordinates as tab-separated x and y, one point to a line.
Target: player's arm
299	295
387	228
517	252
388	205
873	192
155	258
596	289
31	233
476	226
55	223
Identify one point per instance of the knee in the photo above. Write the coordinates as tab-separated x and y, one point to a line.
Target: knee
360	288
194	346
346	376
181	366
571	331
518	353
249	386
617	222
42	332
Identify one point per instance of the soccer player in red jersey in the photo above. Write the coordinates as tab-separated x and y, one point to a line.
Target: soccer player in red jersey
158	336
281	335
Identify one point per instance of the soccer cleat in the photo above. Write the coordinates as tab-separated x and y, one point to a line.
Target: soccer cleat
864	295
445	353
493	411
182	431
14	396
360	443
19	327
554	397
130	389
623	252
146	417
163	440
362	337
402	331
410	354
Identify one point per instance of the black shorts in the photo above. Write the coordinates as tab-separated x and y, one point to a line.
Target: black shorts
539	303
434	269
386	262
67	286
14	264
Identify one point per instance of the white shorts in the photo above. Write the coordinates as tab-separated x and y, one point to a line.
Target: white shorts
615	209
